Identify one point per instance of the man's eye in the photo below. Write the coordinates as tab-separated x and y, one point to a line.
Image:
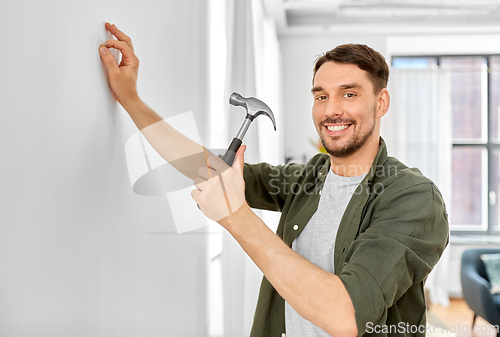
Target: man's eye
349	95
320	98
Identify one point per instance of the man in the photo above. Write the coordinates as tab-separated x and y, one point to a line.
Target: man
359	231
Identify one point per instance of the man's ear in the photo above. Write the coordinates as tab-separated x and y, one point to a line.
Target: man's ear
383	102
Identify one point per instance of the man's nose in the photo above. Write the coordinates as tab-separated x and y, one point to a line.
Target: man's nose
333	108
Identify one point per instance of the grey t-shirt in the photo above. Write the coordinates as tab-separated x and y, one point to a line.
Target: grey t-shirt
317	241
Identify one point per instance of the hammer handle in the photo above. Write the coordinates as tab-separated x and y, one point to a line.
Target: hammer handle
231	151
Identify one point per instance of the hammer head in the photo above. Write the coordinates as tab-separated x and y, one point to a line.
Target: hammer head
253	106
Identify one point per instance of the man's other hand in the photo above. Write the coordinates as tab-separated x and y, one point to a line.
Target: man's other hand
220	189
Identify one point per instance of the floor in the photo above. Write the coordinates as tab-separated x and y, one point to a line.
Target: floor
458	319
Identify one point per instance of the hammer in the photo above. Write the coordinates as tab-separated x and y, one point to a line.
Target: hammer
254	108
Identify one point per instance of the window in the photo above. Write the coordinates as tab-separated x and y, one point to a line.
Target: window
475	101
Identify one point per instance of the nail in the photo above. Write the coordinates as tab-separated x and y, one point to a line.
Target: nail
103	50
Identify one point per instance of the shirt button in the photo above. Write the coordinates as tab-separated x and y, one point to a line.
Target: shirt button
283	334
320	192
295	227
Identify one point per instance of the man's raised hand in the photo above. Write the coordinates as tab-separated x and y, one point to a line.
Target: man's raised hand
122	77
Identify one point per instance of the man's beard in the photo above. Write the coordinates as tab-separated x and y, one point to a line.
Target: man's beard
353	144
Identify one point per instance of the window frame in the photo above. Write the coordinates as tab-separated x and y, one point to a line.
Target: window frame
490	146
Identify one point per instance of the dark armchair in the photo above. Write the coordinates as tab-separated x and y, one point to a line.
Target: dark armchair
476	286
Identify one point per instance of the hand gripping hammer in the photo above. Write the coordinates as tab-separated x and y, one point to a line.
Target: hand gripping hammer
254	108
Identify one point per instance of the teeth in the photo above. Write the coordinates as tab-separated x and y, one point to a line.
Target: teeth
337	127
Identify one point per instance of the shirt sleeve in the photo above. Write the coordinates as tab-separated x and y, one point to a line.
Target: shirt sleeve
267	186
406	236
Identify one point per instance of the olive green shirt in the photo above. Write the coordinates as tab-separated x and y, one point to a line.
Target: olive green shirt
391	235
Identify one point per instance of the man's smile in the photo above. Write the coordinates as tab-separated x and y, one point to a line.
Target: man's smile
337	129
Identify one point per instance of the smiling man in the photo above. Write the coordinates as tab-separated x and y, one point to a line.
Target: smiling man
366	229
359	231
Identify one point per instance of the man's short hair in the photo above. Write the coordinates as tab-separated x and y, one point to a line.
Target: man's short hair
364	57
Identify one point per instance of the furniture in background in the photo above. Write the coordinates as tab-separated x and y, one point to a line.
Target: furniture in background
476	286
458	245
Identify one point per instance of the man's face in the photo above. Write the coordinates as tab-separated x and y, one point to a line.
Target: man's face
345	108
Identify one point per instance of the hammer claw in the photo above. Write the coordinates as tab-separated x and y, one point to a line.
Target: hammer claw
254	108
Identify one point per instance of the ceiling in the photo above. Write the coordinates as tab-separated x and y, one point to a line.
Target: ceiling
384	16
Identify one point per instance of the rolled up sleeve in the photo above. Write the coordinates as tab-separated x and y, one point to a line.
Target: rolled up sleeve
405	238
267	186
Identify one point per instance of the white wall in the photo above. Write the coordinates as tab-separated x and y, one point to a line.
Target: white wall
439	44
77	253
